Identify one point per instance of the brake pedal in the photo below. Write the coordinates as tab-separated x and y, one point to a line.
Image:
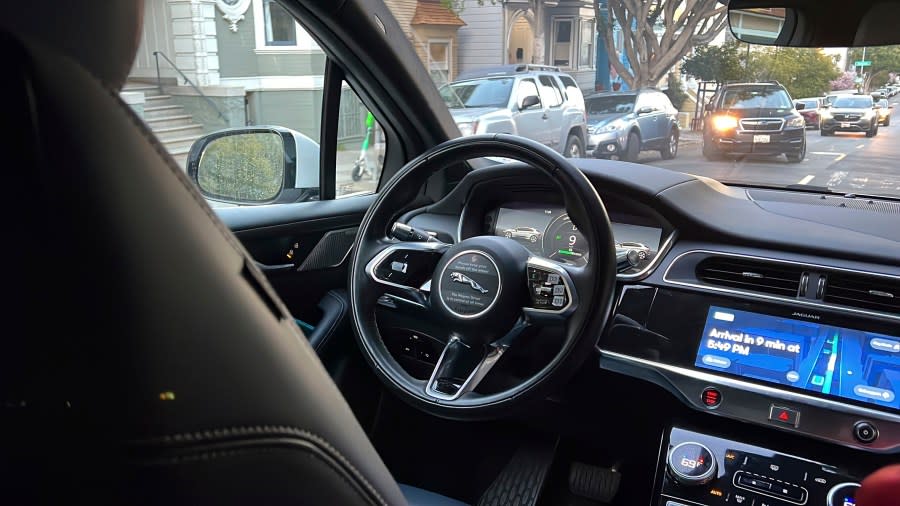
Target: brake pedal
592	482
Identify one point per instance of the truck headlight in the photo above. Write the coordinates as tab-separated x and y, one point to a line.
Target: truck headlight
612	126
796	122
724	123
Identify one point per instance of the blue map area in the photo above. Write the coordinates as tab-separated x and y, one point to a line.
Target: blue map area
824	359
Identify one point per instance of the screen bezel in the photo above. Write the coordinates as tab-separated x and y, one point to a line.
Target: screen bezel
678	319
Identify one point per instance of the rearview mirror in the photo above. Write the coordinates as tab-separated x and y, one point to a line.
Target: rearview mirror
758	25
799	106
644	110
530	101
255	165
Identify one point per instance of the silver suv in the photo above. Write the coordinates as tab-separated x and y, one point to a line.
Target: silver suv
534	101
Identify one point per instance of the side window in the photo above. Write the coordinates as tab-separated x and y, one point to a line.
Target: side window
661	102
526	88
643	100
250	101
360	147
551	95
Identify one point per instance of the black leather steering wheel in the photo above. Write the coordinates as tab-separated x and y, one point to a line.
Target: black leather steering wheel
484	290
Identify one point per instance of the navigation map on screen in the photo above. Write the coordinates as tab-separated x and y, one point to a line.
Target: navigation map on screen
820	358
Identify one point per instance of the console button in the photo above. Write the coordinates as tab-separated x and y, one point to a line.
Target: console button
865	432
785	416
692	463
711	397
754	483
843	494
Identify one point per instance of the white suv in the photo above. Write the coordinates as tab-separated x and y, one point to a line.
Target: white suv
534	101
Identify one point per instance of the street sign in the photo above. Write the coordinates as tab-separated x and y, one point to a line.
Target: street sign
863	63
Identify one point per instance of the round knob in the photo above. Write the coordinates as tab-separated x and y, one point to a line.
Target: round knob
842	494
692	463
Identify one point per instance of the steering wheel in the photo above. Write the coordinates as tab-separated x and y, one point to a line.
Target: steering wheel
484	290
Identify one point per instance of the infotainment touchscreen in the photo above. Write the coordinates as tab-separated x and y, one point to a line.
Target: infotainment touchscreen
816	357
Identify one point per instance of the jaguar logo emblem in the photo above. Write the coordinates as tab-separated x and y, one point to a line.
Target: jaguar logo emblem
459	277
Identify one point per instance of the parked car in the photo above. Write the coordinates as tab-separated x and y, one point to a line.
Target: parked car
623	124
884	112
810	110
753	118
534	101
850	113
529	233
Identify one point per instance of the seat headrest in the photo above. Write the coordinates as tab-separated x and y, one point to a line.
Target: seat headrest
102	35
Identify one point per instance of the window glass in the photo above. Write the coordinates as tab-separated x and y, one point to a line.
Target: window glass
526	88
478	93
562	42
551	95
280	27
586	50
439	61
360	147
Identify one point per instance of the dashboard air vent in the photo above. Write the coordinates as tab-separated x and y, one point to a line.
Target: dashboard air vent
751	275
864	292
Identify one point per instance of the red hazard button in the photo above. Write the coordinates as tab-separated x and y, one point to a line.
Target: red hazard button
785	416
711	397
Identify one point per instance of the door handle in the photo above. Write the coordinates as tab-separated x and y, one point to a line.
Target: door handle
271	269
545	116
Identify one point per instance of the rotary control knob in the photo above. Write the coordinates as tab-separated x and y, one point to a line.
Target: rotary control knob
691	464
842	494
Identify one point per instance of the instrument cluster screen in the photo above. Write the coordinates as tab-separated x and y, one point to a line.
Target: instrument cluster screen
548	232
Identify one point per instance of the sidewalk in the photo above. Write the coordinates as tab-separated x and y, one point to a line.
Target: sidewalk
690	138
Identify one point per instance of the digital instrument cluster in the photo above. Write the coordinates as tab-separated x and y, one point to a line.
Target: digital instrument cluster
548	232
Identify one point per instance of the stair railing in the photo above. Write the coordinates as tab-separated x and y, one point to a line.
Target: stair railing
212	104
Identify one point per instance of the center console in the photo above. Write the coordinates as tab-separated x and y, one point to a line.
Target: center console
823	374
699	469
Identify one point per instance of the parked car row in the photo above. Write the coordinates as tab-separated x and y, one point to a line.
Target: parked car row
543	104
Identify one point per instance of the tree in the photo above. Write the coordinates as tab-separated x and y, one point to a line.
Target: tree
727	62
805	72
846	81
675	91
682	24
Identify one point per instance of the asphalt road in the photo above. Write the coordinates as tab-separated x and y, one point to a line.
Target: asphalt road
845	162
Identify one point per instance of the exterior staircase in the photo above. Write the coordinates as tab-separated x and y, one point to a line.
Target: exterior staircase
169	121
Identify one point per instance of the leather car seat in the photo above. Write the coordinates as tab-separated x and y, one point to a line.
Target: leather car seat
146	359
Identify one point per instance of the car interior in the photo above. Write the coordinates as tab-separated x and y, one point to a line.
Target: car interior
407	350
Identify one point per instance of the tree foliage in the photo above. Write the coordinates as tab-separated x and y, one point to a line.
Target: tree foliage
805	72
727	62
845	81
681	23
675	91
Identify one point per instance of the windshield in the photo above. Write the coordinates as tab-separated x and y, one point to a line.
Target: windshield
852	102
757	98
729	106
611	105
477	93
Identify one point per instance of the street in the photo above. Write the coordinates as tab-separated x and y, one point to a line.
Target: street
845	162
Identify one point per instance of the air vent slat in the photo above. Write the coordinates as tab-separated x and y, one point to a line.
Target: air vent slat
750	275
864	292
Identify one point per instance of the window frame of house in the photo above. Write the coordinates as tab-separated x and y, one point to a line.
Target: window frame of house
303	42
449	53
591	46
554	34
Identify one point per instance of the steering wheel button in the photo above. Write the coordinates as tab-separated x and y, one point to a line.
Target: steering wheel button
553	279
559	290
559	301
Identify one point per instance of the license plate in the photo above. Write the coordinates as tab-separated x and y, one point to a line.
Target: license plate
761	139
845	125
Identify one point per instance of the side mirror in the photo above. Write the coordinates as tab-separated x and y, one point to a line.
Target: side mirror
255	165
709	108
645	110
799	106
877	106
529	101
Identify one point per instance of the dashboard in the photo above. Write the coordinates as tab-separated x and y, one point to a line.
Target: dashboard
775	308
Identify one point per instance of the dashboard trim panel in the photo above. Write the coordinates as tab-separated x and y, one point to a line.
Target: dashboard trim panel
832	420
798	301
651	267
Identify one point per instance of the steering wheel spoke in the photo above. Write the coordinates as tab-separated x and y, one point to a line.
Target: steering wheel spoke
462	366
552	291
400	273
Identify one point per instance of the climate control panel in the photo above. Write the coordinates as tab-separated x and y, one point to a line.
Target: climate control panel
698	469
